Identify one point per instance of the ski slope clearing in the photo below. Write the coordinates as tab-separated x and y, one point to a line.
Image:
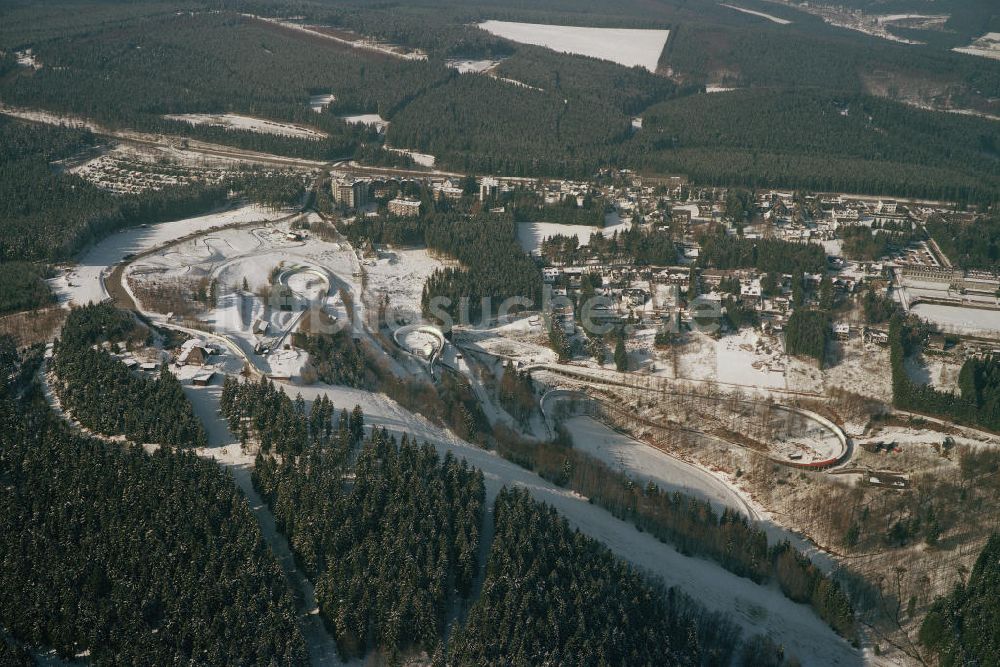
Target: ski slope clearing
762	15
987	46
346	38
232	121
625	46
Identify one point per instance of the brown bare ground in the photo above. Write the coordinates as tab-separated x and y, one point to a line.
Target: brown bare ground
33	326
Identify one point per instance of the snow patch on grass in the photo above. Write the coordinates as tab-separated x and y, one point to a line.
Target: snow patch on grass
420	159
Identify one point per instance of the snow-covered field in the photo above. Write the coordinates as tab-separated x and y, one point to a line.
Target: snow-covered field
987	46
472	66
750	359
319	102
232	121
399	275
421	159
762	15
531	234
647	464
367	119
625	46
84	283
746	358
972	321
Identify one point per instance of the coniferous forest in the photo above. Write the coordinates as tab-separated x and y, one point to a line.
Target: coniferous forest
963	628
343	500
808	332
639	245
807	117
768	255
132	558
554	596
22	287
342	495
108	398
47	215
969	245
977	401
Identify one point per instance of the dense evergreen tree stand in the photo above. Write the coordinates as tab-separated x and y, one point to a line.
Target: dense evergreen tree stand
135	558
